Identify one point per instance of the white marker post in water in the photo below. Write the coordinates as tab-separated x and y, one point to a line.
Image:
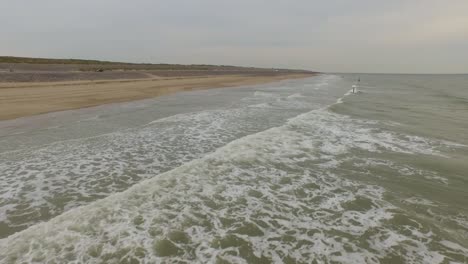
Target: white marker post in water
355	85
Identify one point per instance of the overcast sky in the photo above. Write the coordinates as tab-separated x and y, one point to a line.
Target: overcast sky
409	36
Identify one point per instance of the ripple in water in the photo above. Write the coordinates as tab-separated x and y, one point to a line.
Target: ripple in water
281	196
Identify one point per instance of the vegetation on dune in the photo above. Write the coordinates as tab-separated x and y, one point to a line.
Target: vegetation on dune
93	65
10	59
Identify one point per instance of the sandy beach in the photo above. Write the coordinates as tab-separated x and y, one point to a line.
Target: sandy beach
21	99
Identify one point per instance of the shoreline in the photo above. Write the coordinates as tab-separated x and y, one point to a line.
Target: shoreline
25	99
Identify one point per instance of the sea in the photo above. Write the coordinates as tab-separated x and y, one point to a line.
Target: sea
297	171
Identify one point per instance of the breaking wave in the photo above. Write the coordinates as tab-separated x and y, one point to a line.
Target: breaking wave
275	196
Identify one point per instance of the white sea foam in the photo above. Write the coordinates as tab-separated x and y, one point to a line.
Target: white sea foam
340	100
454	246
276	196
338	134
419	201
53	178
93	118
296	95
402	169
233	183
265	94
261	196
262	105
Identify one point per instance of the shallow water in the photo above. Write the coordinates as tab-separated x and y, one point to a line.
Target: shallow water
290	172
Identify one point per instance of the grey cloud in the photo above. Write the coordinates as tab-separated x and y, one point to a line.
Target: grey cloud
343	36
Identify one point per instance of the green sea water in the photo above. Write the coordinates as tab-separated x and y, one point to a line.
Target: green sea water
300	171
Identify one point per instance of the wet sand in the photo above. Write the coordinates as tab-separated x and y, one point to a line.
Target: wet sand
21	99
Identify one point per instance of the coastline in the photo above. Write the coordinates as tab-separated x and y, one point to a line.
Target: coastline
23	99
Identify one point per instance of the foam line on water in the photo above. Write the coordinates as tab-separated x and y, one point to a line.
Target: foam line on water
54	178
340	100
242	203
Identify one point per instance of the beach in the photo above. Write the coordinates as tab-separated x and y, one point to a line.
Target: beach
20	98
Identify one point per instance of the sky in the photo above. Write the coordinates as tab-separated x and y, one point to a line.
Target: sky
398	36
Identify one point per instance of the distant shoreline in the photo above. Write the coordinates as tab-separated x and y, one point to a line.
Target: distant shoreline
22	69
22	99
32	86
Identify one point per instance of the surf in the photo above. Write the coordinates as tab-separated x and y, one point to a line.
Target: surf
240	202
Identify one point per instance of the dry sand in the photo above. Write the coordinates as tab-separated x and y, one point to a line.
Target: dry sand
22	99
